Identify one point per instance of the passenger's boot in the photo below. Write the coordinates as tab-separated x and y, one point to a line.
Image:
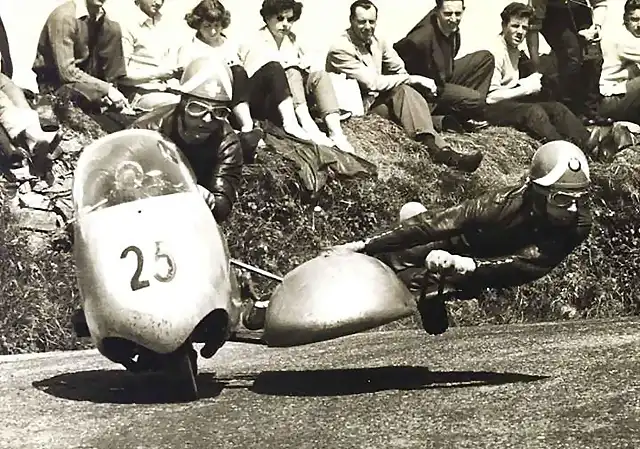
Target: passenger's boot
434	314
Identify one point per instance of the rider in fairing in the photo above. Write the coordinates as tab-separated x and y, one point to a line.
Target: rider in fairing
503	238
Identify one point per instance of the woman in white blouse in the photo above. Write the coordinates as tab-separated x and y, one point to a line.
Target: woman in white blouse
276	42
265	94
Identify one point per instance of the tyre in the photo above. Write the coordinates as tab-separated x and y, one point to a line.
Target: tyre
184	371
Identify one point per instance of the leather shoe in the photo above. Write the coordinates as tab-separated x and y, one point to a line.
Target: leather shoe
467	162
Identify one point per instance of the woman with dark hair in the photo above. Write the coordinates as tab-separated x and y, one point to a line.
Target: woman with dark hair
276	42
263	94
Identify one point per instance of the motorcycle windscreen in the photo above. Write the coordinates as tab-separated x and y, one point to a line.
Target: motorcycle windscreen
333	296
127	166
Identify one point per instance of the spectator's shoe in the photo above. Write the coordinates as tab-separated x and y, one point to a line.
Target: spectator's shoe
450	123
472	126
433	314
467	162
345	115
48	119
622	137
595	120
79	323
603	121
593	142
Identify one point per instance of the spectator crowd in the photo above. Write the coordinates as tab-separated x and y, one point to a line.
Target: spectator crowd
137	74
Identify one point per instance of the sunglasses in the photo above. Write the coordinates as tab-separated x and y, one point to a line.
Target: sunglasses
199	109
282	18
566	199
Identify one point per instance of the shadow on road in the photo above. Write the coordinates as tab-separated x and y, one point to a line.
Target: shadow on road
368	380
122	387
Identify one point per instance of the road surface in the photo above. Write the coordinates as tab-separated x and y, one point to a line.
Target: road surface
565	385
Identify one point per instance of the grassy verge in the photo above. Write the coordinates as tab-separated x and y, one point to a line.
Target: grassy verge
275	227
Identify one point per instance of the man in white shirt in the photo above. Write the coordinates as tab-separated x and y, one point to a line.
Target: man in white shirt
150	54
515	101
620	79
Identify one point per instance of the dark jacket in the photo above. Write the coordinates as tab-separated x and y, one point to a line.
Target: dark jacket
510	243
216	163
5	54
577	7
427	52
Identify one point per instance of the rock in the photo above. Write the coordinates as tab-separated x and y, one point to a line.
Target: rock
34	200
22	173
38	220
64	206
24	188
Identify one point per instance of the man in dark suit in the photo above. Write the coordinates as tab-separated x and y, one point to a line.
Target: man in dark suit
6	66
388	89
430	49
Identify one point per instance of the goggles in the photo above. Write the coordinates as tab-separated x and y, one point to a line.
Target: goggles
198	109
566	199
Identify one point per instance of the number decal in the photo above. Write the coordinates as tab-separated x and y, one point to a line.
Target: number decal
165	267
136	283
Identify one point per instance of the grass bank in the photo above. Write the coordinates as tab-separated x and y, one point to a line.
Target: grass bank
274	226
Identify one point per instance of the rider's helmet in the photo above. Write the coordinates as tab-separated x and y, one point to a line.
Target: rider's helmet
560	165
207	78
411	209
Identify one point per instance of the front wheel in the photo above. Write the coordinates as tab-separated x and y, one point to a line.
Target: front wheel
184	371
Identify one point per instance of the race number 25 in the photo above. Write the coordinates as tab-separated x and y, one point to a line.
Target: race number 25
164	264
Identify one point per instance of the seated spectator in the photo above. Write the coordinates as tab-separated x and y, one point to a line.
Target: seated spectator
620	80
81	49
150	56
515	101
276	42
6	65
22	125
573	31
430	49
210	18
387	88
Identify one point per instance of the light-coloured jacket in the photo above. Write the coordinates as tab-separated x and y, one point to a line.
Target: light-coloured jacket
379	69
621	62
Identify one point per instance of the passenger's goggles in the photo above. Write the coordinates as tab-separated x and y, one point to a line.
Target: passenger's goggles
566	199
198	109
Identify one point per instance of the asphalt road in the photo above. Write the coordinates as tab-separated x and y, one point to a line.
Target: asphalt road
569	385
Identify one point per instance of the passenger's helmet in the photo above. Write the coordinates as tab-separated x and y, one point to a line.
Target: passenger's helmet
560	165
410	209
208	78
